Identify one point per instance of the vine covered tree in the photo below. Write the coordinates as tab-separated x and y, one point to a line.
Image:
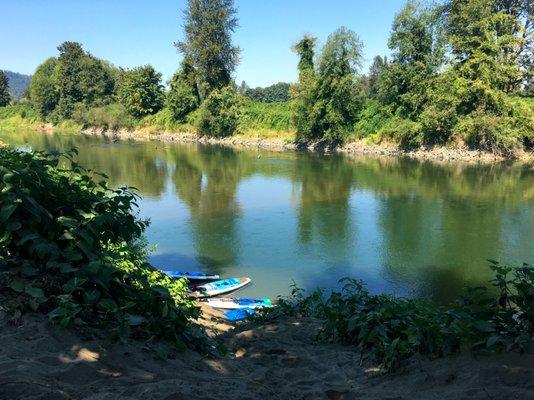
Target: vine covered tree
5	96
209	25
302	93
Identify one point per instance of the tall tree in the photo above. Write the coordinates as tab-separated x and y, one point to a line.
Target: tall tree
375	71
43	91
336	101
5	96
208	42
302	93
485	41
418	49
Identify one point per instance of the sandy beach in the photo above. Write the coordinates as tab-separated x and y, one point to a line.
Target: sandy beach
278	360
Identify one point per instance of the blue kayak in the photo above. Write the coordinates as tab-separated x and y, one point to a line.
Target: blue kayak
192	276
219	287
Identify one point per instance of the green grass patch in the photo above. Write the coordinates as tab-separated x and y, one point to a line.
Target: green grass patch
261	117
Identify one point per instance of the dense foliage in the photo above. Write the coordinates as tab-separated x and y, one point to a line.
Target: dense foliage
279	92
460	73
209	25
70	248
219	114
5	96
392	328
327	94
425	97
140	91
183	97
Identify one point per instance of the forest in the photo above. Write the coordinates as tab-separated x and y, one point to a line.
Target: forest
459	73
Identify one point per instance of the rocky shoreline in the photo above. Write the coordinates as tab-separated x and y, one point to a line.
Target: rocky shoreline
356	148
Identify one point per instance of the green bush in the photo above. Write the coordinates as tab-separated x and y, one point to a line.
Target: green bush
392	329
111	116
371	119
489	132
406	132
219	114
70	248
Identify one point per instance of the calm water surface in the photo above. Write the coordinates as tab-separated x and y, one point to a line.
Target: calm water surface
402	226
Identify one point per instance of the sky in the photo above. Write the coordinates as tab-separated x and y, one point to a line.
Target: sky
129	33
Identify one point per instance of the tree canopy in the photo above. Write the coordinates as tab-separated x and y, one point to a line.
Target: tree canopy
140	91
208	27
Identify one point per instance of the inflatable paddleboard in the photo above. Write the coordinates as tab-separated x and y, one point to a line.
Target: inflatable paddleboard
238	303
192	276
239	314
219	287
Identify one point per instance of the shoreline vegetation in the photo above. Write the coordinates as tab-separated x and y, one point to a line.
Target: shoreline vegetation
458	84
74	272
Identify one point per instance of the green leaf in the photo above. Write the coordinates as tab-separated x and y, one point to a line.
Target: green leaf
34	292
492	340
66	236
18	285
6	211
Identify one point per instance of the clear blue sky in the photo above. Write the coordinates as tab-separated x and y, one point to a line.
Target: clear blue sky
134	32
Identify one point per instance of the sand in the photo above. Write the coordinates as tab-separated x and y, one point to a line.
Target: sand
277	360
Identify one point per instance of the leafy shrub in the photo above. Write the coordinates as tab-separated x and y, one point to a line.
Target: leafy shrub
70	247
219	114
489	132
406	132
111	116
371	118
392	329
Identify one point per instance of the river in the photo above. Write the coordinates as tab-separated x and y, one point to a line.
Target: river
402	226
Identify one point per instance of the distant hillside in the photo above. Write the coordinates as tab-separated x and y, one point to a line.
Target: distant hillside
18	83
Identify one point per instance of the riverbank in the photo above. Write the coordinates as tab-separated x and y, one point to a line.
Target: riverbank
277	360
283	141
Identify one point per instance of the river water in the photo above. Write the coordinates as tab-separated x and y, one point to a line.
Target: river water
402	226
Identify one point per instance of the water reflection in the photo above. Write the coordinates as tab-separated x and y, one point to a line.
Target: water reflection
403	226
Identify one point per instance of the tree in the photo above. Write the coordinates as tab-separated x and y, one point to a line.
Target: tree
183	96
375	71
484	42
208	43
43	92
302	93
67	76
5	96
336	103
417	42
140	91
219	114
